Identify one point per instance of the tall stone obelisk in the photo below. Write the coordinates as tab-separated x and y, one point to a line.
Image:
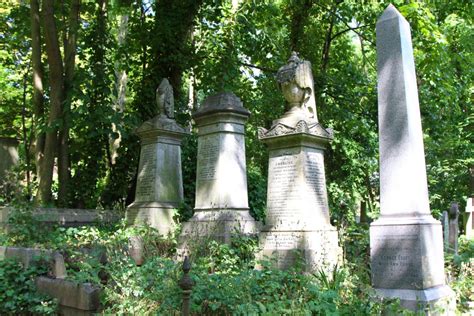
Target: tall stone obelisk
406	243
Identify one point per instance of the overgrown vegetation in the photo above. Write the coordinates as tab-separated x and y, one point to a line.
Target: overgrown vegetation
87	100
18	293
227	282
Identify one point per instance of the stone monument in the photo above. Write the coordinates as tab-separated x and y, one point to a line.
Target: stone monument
8	156
221	178
453	227
159	188
297	204
469	224
406	242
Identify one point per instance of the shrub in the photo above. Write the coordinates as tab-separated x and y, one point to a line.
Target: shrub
18	293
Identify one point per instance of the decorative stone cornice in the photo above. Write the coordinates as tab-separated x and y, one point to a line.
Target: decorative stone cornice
302	127
160	123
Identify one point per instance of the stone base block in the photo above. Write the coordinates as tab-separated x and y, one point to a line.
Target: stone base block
217	225
439	300
406	255
26	256
318	248
407	262
81	297
160	218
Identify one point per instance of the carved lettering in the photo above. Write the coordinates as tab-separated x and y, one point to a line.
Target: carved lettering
147	173
208	157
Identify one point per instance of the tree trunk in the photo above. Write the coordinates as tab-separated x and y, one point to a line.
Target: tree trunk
299	16
64	173
56	99
121	83
37	67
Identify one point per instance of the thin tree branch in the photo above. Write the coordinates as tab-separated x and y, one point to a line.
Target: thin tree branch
259	67
350	29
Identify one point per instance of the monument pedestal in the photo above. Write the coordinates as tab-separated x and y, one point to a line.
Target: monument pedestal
297	204
221	178
219	225
157	215
159	184
407	261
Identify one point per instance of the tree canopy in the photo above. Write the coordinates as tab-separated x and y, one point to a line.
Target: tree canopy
77	77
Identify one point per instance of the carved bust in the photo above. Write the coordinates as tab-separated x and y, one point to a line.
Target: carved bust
295	80
165	99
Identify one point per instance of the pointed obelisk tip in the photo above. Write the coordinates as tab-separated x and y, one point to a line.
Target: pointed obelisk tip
389	13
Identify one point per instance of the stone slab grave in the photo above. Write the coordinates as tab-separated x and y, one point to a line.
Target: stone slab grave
64	217
406	243
27	255
221	206
297	203
73	298
159	188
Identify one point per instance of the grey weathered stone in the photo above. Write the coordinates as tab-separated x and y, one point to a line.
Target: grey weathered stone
80	297
27	255
159	188
469	224
8	155
221	206
297	204
407	259
295	80
445	226
65	216
453	227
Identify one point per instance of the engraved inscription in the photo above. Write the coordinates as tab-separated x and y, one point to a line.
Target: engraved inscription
208	153
282	190
315	180
394	263
282	241
146	177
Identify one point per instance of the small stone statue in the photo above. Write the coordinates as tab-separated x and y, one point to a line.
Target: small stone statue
295	80
165	99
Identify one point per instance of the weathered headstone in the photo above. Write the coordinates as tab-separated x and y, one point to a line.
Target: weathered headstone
469	224
297	205
8	156
445	226
406	242
221	206
159	188
453	227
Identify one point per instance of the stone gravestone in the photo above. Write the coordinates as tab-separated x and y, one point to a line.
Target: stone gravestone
297	220
469	226
8	156
221	206
445	226
453	227
406	242
159	188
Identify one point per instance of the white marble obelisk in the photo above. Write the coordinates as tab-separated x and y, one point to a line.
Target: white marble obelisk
406	242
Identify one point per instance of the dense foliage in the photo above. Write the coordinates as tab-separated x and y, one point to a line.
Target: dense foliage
76	102
124	49
18	291
226	281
